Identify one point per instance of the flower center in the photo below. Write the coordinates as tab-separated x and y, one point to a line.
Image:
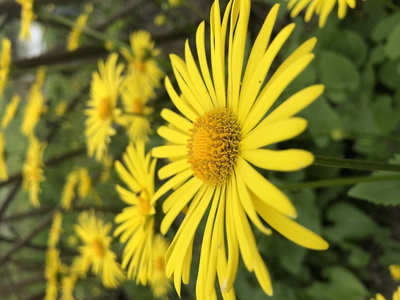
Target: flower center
159	264
214	146
139	66
143	205
137	107
98	247
105	108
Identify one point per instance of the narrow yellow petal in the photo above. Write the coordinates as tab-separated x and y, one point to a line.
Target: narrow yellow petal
285	160
172	135
173	168
169	151
176	120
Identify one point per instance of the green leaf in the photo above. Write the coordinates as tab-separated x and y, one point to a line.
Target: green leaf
349	223
378	54
352	45
392	47
381	193
384	27
338	74
342	285
386	118
388	74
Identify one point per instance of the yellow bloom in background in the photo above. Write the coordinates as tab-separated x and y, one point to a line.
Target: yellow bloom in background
55	231
395	272
107	163
10	111
135	96
35	104
68	284
27	17
5	62
136	222
96	249
160	19
52	269
159	282
68	192
322	8
222	134
175	3
3	165
32	170
396	295
75	34
61	108
85	183
102	110
141	60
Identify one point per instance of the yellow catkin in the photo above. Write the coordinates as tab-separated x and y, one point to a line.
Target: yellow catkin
68	193
10	111
75	34
5	61
27	17
3	165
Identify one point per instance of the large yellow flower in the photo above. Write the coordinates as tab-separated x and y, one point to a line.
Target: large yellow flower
102	110
136	222
5	61
135	96
27	17
96	249
320	7
32	170
141	58
75	34
222	134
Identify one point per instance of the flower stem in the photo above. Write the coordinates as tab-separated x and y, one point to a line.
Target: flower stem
354	164
336	182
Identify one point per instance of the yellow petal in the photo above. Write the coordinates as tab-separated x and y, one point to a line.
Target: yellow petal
169	151
172	135
176	120
285	160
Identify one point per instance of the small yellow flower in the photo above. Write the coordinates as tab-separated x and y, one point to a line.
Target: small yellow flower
141	58
320	7
5	61
27	17
85	183
11	109
135	96
396	295
35	105
3	165
61	108
160	19
136	222
159	282
395	272
55	230
32	170
96	249
75	34
68	192
102	110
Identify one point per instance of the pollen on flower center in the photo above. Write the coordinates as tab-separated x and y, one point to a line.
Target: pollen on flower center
159	264
143	205
214	146
137	106
105	108
98	247
139	66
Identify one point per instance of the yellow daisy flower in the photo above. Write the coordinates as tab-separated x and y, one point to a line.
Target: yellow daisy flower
159	282
32	170
221	135
10	111
35	105
141	60
320	7
135	96
5	61
136	222
102	110
3	165
27	17
395	271
96	249
396	295
75	34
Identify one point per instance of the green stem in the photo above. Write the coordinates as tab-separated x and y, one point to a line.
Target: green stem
354	164
336	182
86	30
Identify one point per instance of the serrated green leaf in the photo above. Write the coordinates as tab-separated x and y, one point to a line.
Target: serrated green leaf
342	284
338	73
349	223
